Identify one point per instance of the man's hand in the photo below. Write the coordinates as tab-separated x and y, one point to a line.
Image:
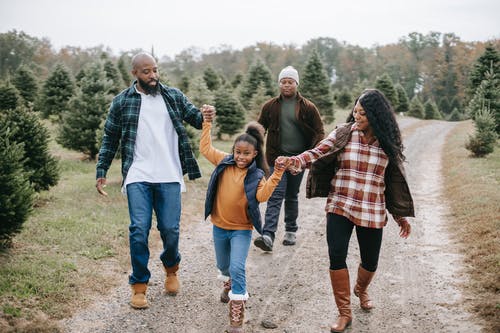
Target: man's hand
99	185
208	112
281	163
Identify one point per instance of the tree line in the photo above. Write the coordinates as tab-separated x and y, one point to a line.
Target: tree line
433	76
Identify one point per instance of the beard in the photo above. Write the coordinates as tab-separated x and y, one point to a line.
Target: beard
150	90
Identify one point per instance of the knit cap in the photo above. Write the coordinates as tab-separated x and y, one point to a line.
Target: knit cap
289	72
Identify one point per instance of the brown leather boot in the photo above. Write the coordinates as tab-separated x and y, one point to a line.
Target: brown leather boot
236	316
138	300
172	282
224	296
360	290
342	293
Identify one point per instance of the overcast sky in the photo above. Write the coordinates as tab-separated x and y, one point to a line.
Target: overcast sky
173	25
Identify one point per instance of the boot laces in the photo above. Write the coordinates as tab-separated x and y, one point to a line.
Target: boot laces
236	311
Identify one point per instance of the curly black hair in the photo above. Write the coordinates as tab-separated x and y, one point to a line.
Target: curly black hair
254	135
383	122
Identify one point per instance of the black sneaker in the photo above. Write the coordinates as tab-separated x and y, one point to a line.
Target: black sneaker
289	238
264	243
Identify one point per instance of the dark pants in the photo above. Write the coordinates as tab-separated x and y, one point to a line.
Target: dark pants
288	189
338	234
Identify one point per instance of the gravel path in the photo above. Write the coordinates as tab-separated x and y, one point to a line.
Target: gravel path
416	288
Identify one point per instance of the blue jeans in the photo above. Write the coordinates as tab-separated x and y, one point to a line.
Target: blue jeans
231	252
288	189
165	200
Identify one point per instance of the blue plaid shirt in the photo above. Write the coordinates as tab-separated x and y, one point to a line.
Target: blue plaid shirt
121	125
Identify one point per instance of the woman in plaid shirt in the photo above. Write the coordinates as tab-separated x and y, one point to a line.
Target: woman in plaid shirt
367	178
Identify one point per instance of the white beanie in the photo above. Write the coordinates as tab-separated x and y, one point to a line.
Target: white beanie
289	72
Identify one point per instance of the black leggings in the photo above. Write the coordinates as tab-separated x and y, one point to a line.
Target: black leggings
338	234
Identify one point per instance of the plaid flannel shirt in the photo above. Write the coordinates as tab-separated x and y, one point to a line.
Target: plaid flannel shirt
121	126
358	186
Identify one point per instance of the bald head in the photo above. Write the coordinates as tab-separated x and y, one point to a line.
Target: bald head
141	58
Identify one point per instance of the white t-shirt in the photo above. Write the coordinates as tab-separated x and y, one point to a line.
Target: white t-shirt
156	152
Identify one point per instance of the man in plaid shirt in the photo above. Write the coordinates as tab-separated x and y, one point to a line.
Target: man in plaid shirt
147	119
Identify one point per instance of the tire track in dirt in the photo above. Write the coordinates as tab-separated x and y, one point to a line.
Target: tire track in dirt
416	288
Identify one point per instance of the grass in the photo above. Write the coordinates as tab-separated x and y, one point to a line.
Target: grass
472	190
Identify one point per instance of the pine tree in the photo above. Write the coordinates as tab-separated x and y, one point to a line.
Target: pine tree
403	101
489	61
416	108
455	115
315	85
87	110
485	138
56	92
487	96
42	168
230	115
9	97
444	105
26	83
385	85
113	75
16	194
344	98
237	80
124	71
211	78
184	84
256	103
431	110
257	74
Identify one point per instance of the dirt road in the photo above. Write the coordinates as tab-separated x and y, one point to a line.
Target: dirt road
416	288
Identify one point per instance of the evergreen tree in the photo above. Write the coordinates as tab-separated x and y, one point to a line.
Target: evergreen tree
16	194
344	99
256	103
444	105
230	115
113	75
257	74
489	61
485	138
455	115
42	168
56	92
315	85
237	80
487	96
8	97
26	83
416	108
385	85
184	84
403	101
211	79
124	71
87	110
431	110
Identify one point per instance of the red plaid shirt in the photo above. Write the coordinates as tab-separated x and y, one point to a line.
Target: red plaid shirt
358	187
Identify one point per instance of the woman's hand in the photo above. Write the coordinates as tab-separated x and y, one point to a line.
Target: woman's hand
404	226
281	163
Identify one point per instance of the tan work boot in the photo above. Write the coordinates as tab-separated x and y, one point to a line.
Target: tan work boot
236	316
138	300
172	284
224	296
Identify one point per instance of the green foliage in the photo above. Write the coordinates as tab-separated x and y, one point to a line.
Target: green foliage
16	48
124	72
485	138
212	79
344	99
16	194
487	96
431	110
8	97
256	103
403	101
385	85
42	168
315	85
56	92
237	80
230	115
489	61
184	84
26	83
455	115
113	75
87	111
416	108
258	74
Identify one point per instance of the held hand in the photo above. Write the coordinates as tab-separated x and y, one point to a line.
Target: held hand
293	166
208	112
100	184
405	228
281	163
